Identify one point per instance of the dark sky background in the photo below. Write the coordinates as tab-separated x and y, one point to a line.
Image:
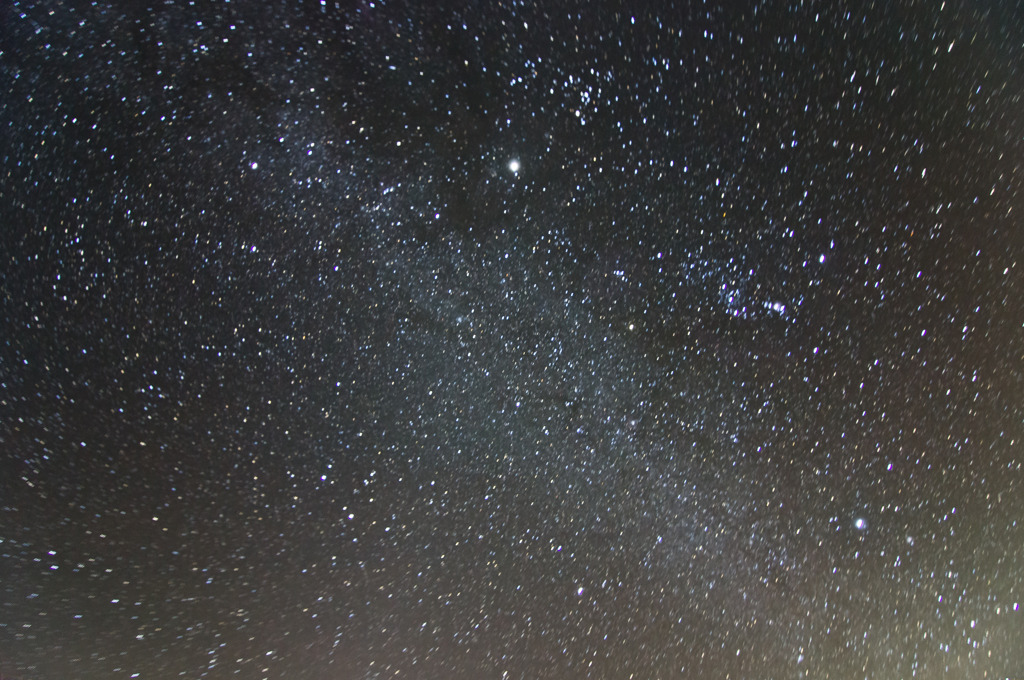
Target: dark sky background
511	340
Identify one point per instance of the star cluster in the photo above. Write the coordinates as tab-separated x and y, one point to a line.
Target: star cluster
511	340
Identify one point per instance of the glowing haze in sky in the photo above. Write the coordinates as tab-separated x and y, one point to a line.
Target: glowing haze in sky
511	340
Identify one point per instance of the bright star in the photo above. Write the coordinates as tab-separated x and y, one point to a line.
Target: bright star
513	165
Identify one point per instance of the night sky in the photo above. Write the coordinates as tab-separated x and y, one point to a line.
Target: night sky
511	339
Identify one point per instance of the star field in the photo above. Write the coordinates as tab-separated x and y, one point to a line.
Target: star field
511	340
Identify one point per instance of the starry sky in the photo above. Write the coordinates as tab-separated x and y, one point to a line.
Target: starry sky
511	340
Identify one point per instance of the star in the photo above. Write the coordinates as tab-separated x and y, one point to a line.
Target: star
293	340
